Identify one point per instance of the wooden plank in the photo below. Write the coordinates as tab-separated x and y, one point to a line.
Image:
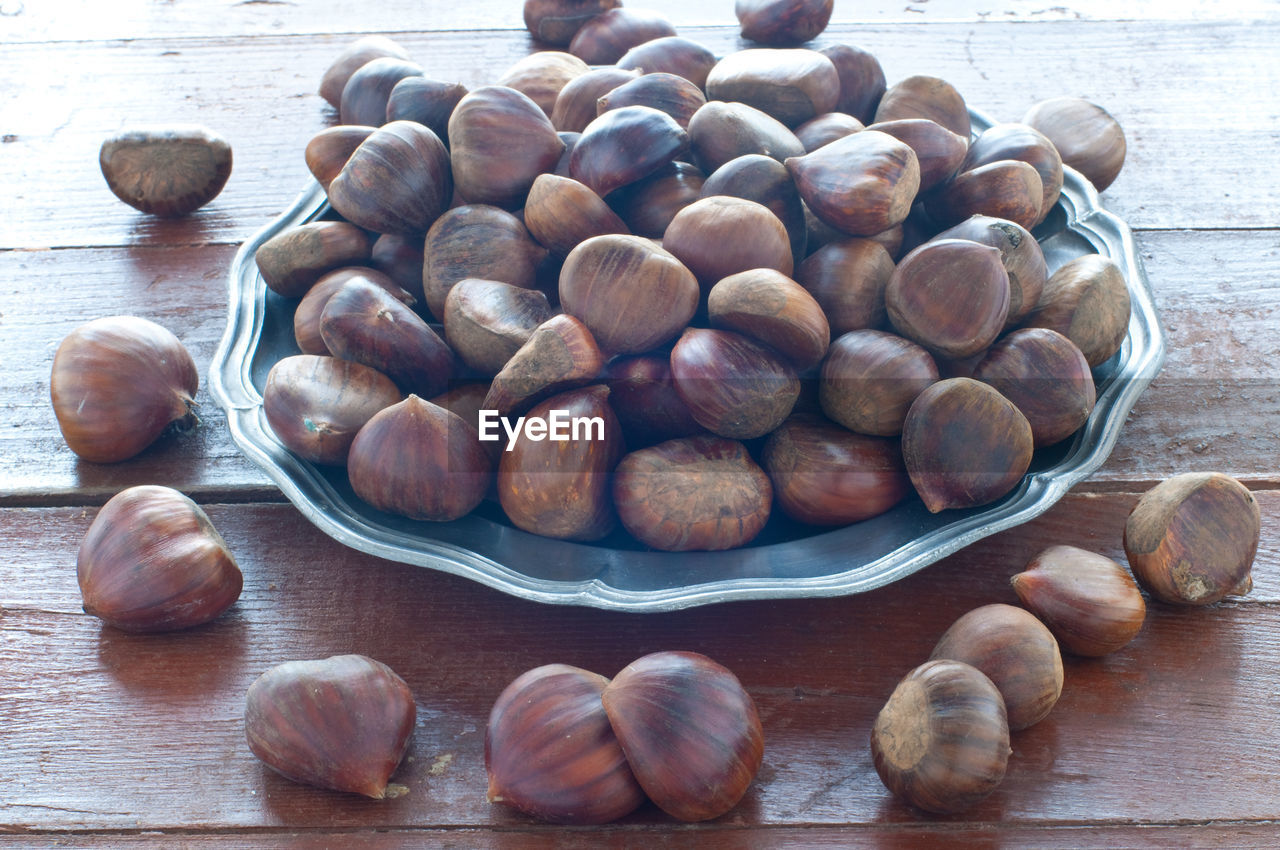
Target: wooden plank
1161	80
108	731
1215	405
79	20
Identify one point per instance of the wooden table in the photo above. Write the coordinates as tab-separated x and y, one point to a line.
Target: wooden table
110	739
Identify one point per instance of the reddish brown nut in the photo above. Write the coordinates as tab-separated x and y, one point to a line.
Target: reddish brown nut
1008	189
792	85
605	38
671	55
759	178
1086	136
477	241
719	132
862	184
734	386
1089	602
1046	376
862	81
397	181
923	96
1026	144
166	171
848	278
306	316
499	142
486	321
559	354
294	259
772	308
870	379
939	150
1019	251
542	75
719	236
555	22
354	56
1087	301
624	145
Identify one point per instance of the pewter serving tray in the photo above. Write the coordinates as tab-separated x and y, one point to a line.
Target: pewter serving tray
787	560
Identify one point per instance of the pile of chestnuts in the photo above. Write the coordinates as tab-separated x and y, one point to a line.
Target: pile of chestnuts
764	280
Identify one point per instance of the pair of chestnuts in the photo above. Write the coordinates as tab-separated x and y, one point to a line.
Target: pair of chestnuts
570	746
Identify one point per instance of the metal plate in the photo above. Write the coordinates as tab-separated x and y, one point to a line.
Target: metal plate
787	560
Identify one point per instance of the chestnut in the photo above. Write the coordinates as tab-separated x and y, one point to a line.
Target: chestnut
477	241
1008	189
1089	602
719	132
117	384
397	181
1087	301
790	84
649	408
561	213
862	184
648	205
542	75
604	38
486	321
306	316
1046	376
695	493
341	723
690	732
558	486
316	404
624	145
847	277
1019	251
772	308
329	150
550	751
941	152
1026	144
1016	651
826	128
428	102
668	93
152	561
734	386
964	444
1192	538
717	236
941	742
499	142
671	54
780	23
577	104
555	22
759	178
560	353
823	474
364	97
1086	136
870	379
418	460
400	258
354	56
167	171
295	258
922	96
862	81
630	293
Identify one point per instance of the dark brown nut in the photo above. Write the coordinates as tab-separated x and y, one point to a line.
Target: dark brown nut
671	55
364	323
781	23
604	38
353	57
341	723
117	384
792	85
1086	136
926	97
1018	654
1089	602
555	22
848	277
577	105
770	307
426	101
649	408
694	494
1008	189
624	145
166	171
559	486
561	213
559	354
823	474
664	92
719	236
1046	376
940	151
397	181
306	316
418	460
1192	538
862	184
315	405
152	561
719	132
294	259
499	142
550	752
690	732
365	96
400	258
478	241
964	444
766	181
1025	144
1087	301
941	742
466	399
949	295
1019	251
647	206
734	386
870	379
862	81
630	293
542	75
826	128
330	149
486	321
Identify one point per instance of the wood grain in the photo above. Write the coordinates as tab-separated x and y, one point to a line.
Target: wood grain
260	94
1186	699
